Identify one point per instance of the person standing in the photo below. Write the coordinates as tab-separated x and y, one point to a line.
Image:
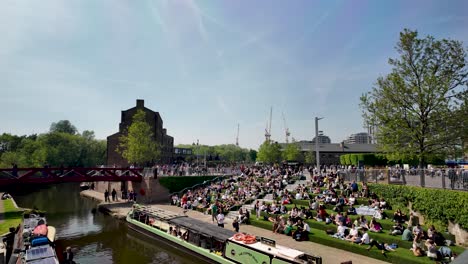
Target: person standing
114	194
214	211
106	196
235	225
220	219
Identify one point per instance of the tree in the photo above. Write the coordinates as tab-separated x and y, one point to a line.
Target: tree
63	126
138	144
292	152
269	152
415	107
252	155
310	157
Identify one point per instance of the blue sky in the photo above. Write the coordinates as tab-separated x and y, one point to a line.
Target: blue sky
204	65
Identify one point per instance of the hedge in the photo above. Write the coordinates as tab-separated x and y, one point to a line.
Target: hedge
436	205
178	183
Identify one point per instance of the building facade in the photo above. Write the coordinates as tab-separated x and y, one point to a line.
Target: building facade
165	142
322	139
359	138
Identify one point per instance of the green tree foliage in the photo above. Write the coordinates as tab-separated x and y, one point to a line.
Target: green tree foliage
269	152
292	152
63	126
367	159
53	148
138	144
310	157
226	153
252	155
417	106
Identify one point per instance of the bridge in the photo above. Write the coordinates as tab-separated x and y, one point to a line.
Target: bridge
48	175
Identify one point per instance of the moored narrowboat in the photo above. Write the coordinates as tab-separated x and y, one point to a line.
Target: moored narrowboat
210	242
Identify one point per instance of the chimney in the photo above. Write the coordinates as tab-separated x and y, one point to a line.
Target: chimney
140	103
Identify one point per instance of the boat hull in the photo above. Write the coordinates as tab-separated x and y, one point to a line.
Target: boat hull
176	242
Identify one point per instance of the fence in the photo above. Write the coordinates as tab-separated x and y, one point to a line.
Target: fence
455	179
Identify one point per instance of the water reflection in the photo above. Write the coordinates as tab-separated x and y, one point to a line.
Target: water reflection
97	237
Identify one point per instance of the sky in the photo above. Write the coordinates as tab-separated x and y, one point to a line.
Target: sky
205	66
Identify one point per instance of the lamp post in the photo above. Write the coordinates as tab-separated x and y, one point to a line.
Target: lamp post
317	151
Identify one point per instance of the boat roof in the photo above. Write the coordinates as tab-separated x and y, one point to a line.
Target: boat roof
158	213
192	224
278	250
203	228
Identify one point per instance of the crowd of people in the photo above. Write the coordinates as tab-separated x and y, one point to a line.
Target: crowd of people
326	192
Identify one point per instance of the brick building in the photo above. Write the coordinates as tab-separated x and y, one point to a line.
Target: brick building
165	141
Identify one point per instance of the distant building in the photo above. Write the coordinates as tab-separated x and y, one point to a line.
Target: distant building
182	154
359	138
165	142
322	139
330	153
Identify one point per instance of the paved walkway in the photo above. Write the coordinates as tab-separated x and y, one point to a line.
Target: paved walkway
329	255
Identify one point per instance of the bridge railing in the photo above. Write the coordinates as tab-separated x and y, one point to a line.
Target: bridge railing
76	174
447	178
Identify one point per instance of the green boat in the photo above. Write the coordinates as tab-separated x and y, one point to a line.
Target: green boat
209	242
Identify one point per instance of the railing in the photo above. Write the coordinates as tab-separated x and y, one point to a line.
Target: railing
58	175
455	179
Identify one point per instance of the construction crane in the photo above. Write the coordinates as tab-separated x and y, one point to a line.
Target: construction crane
237	138
268	128
286	129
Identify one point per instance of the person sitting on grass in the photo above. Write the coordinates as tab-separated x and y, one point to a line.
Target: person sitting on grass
340	231
375	226
352	210
399	217
365	239
431	249
288	228
381	246
407	235
397	229
418	246
353	232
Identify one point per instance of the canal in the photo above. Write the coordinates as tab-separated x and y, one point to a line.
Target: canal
96	237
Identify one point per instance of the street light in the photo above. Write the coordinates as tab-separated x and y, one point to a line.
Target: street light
317	152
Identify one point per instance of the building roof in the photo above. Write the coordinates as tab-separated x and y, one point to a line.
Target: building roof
337	147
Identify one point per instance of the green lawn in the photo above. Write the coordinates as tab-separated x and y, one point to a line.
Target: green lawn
401	255
11	215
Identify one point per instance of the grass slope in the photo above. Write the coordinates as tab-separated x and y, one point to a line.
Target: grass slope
11	216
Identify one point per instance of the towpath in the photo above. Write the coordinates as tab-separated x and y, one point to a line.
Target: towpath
329	255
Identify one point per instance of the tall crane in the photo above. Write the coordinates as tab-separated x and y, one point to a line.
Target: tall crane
268	128
237	138
286	129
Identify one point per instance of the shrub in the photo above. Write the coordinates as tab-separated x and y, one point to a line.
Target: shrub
436	205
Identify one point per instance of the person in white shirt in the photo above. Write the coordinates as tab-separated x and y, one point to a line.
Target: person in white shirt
220	219
298	196
340	230
365	238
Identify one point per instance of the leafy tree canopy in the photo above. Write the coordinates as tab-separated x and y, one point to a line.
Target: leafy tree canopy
292	152
138	144
269	152
63	126
55	148
419	108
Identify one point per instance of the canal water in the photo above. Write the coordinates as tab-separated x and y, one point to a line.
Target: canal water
96	237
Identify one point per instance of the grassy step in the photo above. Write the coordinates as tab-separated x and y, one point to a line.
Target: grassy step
401	255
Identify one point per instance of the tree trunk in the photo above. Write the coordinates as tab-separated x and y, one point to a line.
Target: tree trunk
421	172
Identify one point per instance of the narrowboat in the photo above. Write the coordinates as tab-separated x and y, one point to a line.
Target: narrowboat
34	242
209	242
